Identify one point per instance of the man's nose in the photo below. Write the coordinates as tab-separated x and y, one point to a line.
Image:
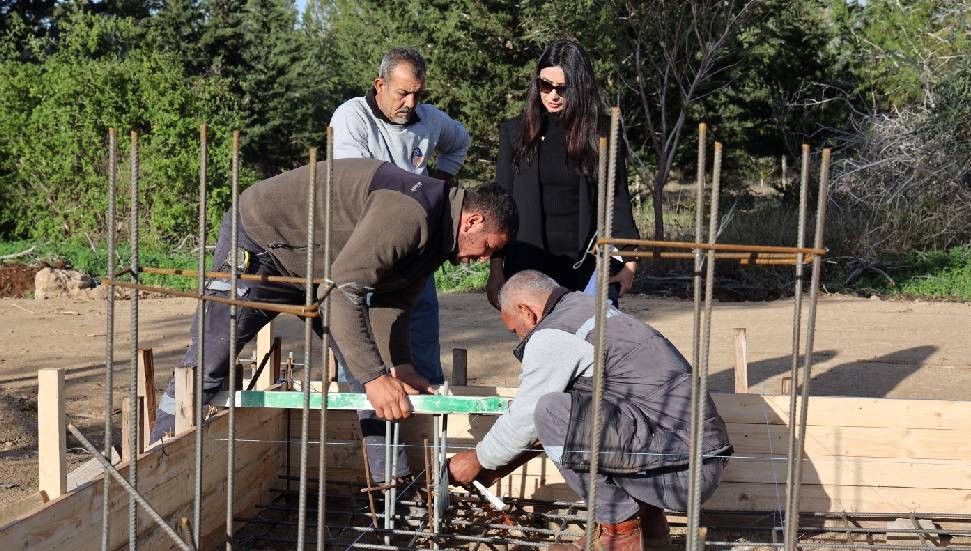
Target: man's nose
410	101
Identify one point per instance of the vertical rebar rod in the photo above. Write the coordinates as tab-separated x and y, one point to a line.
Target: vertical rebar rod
699	224
308	329
436	426
387	479
696	458
603	277
601	184
394	470
233	313
696	287
792	520
796	331
325	365
200	337
135	425
109	332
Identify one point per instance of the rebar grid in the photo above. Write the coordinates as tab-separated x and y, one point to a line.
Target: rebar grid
527	524
795	255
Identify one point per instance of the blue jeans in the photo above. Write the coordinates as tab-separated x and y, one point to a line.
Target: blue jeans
613	290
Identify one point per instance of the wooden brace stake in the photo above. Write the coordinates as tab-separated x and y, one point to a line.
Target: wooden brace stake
741	361
51	433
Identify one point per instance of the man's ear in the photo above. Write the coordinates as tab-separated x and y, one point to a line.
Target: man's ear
473	219
378	84
528	313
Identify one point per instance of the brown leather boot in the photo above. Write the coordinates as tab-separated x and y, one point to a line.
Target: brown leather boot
623	536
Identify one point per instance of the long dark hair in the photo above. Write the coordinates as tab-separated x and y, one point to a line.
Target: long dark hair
581	115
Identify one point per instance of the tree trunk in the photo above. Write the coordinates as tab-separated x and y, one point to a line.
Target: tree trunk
658	193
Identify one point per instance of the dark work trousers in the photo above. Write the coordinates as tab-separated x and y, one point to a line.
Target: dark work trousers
249	321
618	496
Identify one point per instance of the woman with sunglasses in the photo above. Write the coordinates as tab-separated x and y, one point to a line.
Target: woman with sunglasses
548	158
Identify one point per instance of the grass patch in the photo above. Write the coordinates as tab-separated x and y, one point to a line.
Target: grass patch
462	278
935	274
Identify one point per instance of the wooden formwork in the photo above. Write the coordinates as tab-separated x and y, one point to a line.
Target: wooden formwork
862	455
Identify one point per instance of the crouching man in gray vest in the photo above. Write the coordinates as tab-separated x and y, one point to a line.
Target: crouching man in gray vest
646	413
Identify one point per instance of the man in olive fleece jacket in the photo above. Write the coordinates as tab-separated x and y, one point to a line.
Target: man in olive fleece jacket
390	230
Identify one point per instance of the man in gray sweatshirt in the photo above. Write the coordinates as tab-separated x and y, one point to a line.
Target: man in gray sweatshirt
646	412
391	124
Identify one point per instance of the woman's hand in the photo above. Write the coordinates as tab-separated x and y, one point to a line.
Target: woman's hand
625	277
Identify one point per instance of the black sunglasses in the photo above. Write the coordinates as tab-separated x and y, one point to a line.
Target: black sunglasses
546	86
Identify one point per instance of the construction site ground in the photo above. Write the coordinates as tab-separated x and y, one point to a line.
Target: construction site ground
864	347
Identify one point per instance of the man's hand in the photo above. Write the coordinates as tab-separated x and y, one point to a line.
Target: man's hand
414	383
495	283
625	277
463	467
389	397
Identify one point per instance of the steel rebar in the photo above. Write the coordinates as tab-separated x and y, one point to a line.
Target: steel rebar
603	277
227	275
111	471
727	247
233	314
698	398
796	333
324	312
792	521
699	221
301	311
307	336
200	338
135	427
109	334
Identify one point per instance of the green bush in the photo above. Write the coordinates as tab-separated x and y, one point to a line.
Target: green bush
54	120
462	277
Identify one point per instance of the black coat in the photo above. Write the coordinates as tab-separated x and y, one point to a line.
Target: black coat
524	186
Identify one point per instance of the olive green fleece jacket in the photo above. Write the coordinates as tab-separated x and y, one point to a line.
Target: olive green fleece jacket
391	230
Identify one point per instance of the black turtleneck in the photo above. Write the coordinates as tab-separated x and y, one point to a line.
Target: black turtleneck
559	188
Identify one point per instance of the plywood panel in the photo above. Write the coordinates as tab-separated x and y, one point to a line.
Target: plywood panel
165	477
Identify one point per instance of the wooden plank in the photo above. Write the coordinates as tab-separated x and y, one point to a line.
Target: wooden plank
264	344
74	520
146	391
126	427
460	367
732	496
271	372
847	412
88	471
856	471
741	361
51	433
424	403
184	399
875	442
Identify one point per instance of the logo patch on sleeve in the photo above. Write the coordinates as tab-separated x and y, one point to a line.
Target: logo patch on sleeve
417	157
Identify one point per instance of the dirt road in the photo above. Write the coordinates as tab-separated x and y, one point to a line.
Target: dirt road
864	348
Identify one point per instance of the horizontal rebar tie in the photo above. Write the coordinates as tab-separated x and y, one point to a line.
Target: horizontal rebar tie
293	399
